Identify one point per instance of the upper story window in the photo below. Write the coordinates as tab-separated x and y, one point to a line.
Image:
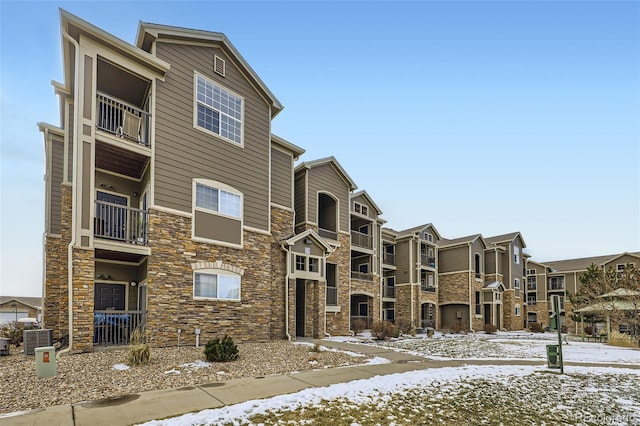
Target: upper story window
516	254
218	200
218	110
477	265
531	271
428	237
361	208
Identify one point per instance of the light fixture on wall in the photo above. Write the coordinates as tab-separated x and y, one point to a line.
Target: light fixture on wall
135	193
133	283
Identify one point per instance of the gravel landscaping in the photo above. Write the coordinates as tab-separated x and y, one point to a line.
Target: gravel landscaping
97	375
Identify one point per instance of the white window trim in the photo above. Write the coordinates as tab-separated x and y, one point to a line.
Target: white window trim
216	185
516	283
216	272
620	267
195	110
518	310
531	272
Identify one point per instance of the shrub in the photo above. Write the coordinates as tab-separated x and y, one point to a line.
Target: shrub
406	327
358	325
624	340
221	350
382	330
588	330
13	331
536	327
563	329
139	350
456	327
490	328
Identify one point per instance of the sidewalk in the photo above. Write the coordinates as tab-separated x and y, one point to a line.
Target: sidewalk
138	408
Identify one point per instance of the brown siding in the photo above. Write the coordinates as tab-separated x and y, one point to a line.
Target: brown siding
184	152
71	131
281	172
300	198
217	228
453	259
402	262
477	247
371	212
623	260
88	87
325	178
490	262
86	184
56	175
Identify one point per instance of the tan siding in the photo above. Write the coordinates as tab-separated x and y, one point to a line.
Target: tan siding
281	172
453	259
490	262
184	152
217	228
300	197
86	184
402	262
71	131
324	178
56	176
623	260
371	213
88	87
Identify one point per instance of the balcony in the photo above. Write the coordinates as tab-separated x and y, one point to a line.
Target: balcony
113	328
361	240
388	258
121	223
425	287
532	287
427	261
362	276
325	233
332	296
122	119
389	291
368	321
554	285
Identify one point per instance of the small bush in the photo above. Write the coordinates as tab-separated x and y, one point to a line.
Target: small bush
588	330
13	331
490	328
456	327
357	326
382	330
563	329
139	350
221	350
406	327
624	340
536	327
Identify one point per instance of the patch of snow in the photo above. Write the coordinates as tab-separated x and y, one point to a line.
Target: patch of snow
173	371
197	364
120	367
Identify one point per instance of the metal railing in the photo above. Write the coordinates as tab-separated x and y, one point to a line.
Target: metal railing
332	296
121	223
361	240
554	285
531	286
122	119
428	261
362	276
388	258
428	323
111	328
389	291
368	321
325	233
426	287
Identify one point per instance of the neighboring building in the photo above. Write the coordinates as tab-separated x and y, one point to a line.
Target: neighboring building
12	308
562	277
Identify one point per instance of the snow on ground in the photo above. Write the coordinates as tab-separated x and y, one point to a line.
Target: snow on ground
473	394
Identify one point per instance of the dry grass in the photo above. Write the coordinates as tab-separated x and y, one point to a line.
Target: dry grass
624	340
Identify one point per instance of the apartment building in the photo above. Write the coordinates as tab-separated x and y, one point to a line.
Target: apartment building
562	277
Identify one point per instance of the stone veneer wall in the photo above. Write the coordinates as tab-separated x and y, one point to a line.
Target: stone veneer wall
338	322
541	308
572	326
170	301
371	289
281	229
426	297
509	318
83	288
405	313
454	288
477	321
56	292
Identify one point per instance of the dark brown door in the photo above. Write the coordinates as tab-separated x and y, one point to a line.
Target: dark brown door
109	296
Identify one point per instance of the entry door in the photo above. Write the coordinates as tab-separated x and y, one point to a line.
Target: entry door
111	221
487	314
109	296
300	302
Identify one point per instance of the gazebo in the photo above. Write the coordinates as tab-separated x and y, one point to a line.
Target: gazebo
617	300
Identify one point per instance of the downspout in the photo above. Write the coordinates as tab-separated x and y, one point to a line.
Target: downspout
325	296
470	292
44	241
286	293
73	201
411	270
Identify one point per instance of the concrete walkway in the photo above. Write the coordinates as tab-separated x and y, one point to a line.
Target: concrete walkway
138	408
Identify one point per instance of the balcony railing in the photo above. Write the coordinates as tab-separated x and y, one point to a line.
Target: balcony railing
428	323
121	223
388	258
113	328
361	240
532	287
368	321
362	276
556	286
122	119
425	287
389	291
428	261
332	296
325	233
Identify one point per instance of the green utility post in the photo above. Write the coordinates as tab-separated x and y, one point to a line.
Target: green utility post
556	320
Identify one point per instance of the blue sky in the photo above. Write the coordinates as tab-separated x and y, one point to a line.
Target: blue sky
479	117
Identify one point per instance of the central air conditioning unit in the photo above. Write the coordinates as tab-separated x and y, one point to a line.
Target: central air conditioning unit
33	339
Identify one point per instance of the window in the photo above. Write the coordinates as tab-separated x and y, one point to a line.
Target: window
531	271
428	237
364	268
477	265
517	310
332	284
556	283
313	264
516	283
478	304
516	254
216	286
532	299
218	110
301	264
532	282
218	200
362	209
620	267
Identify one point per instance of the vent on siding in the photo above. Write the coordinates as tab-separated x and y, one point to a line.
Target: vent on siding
218	65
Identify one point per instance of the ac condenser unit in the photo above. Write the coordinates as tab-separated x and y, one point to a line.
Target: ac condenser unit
33	339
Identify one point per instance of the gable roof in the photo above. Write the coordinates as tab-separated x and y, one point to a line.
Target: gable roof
583	263
505	238
295	149
33	302
334	163
306	234
148	32
444	243
420	228
365	194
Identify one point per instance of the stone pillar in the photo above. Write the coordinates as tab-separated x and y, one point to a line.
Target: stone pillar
83	297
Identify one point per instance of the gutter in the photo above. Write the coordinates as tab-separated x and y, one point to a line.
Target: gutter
74	204
471	306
